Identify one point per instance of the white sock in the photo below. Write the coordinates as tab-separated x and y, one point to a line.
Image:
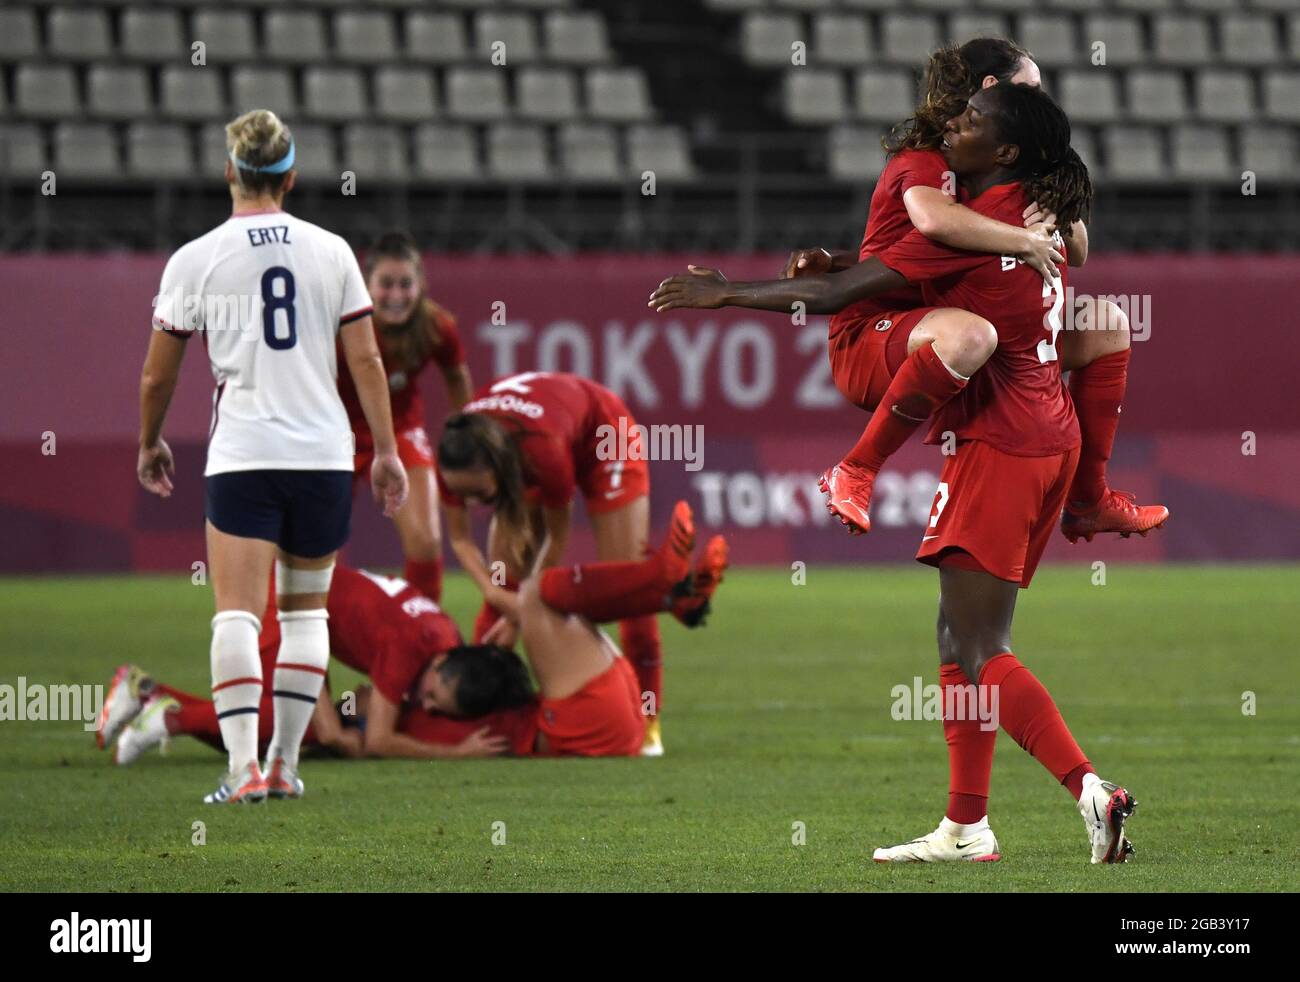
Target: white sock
961	831
237	683
299	674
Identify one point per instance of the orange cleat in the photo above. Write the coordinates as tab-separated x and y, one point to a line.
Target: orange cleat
692	595
1117	511
848	495
677	548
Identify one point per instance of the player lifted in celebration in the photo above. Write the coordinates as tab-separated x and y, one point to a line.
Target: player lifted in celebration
1017	447
895	349
271	295
525	445
411	331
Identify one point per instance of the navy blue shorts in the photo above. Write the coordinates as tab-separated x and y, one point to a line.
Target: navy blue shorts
305	513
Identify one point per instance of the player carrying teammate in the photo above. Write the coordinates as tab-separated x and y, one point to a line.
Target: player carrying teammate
1017	447
411	331
271	295
526	445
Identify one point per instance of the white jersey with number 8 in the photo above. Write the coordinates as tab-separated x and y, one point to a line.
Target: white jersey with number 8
269	293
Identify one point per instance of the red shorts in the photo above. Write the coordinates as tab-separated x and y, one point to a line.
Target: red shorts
602	719
866	354
412	447
610	484
998	507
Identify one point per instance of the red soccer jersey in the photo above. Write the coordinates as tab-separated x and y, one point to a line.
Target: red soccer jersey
408	406
1017	401
382	627
887	222
555	417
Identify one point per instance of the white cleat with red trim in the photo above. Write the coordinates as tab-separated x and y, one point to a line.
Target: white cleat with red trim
1105	808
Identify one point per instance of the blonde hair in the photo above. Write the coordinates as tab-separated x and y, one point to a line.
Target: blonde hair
258	138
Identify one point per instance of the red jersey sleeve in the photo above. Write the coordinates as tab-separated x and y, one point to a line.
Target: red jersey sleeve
448	352
921	168
395	668
920	259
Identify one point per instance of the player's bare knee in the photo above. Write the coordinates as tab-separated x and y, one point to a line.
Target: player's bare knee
967	345
1114	321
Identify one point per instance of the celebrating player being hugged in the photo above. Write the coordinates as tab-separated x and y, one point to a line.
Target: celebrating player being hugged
525	445
897	348
411	331
272	295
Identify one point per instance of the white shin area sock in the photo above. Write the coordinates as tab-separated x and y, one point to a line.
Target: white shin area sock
299	674
237	683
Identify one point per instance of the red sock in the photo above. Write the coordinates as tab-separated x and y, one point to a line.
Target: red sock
607	591
921	385
1097	391
426	576
197	719
640	637
970	751
184	698
1028	714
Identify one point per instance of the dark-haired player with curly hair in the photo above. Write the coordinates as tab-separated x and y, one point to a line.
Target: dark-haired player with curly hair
412	332
1017	446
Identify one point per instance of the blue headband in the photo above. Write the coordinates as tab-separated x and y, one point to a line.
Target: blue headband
279	167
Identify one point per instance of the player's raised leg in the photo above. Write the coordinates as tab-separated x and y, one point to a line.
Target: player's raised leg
1096	354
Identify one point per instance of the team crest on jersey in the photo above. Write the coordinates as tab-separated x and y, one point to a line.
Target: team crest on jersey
884	325
397	381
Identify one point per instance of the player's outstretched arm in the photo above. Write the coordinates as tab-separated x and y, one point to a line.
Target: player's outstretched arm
387	475
825	293
383	740
330	731
162	368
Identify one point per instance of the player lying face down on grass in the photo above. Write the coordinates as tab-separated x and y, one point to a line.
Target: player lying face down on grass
1017	445
469	701
412	332
526	446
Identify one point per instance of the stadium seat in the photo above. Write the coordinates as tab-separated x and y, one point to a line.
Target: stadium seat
1182	39
908	38
446	153
840	39
296	36
22	152
512	34
86	150
118	92
546	94
78	34
661	149
1293	38
191	93
1270	152
1216	5
1052	39
366	37
588	152
735	6
227	35
517	152
334	93
438	38
1143	6
576	38
152	35
1121	34
1084	142
1202	153
1282	96
1224	96
263	88
406	95
855	154
618	95
1090	95
883	94
19	37
978	24
1012	5
315	160
768	39
476	94
813	98
1134	154
805	6
46	91
1156	96
159	150
377	154
1248	39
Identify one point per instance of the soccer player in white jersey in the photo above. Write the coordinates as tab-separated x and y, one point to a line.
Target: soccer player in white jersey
270	294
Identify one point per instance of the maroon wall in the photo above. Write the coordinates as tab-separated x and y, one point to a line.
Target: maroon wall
1218	356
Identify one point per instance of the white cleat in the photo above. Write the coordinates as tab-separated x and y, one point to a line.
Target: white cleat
122	703
245	786
149	730
950	842
282	781
1105	808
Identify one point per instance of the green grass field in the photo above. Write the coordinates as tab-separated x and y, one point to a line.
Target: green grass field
778	712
